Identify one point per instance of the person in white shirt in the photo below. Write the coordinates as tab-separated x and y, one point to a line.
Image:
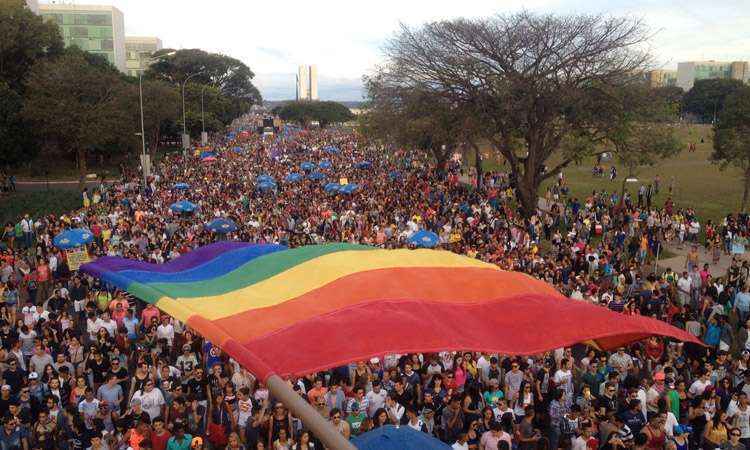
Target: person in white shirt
375	398
151	400
394	409
700	385
108	324
165	331
462	443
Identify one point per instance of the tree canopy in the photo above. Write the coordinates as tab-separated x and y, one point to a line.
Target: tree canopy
75	104
304	112
732	137
707	97
531	86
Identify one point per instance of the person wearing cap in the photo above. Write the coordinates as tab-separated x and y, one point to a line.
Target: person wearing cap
187	361
493	393
355	418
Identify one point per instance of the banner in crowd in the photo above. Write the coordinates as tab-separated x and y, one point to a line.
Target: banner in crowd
77	257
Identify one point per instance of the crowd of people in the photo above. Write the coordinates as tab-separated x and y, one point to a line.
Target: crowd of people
87	367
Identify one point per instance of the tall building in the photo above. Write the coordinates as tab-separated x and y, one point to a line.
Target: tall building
307	82
94	28
33	5
138	50
662	78
689	72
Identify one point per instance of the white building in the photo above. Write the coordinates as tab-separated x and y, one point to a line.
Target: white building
307	82
96	29
33	5
139	50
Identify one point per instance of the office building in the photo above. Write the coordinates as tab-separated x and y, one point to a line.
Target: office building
661	78
138	50
307	83
94	28
33	5
689	72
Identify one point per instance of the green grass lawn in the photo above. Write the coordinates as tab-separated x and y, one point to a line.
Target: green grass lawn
697	182
14	206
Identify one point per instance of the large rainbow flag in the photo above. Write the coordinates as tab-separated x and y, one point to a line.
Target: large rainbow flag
297	311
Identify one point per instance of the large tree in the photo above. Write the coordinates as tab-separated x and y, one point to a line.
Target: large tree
230	76
706	98
415	118
551	84
76	104
732	137
304	112
24	39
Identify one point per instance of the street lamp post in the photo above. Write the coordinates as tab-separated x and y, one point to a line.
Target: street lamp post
184	124
143	131
203	119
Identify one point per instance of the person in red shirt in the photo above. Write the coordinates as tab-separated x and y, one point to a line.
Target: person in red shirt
160	435
151	312
42	279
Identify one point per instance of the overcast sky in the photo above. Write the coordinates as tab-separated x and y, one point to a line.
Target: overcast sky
344	38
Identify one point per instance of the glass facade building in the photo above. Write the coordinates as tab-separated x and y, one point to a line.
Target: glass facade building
689	72
95	29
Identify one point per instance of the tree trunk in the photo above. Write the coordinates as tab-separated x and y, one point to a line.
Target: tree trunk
527	195
82	168
478	166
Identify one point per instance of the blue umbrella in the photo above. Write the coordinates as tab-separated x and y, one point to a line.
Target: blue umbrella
332	150
231	135
349	188
237	149
73	238
183	206
208	155
332	188
263	177
181	186
307	165
325	164
363	165
424	238
401	438
394	175
293	177
317	176
266	186
222	225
